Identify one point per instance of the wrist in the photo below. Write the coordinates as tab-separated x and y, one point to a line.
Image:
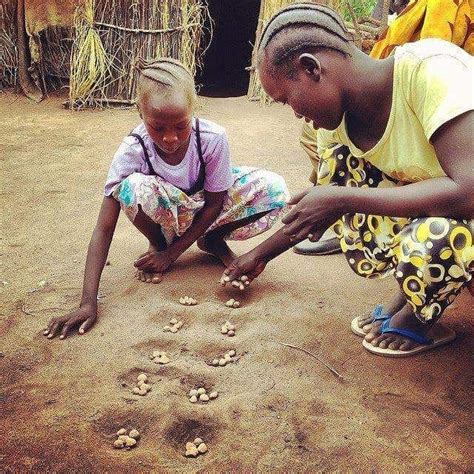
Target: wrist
89	302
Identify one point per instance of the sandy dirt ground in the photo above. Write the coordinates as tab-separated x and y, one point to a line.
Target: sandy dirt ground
278	409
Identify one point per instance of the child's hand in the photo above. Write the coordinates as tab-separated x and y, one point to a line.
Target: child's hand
84	317
243	270
154	262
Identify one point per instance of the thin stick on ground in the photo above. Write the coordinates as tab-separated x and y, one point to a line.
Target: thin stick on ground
332	369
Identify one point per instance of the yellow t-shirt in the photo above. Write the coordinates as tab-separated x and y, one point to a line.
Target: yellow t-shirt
433	83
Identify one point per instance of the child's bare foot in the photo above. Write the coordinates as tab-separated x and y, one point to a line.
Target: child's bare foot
217	247
366	322
403	319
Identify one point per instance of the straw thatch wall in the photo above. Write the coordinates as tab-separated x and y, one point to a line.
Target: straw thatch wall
113	35
8	44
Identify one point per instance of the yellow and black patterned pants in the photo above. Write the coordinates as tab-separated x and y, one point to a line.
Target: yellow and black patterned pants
431	257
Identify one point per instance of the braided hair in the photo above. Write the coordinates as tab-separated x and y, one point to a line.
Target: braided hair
300	28
162	75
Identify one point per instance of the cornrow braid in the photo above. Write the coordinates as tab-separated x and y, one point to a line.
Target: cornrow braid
166	74
302	27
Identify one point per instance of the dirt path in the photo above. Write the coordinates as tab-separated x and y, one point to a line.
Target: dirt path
278	409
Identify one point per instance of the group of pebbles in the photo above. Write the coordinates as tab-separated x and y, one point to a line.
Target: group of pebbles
194	449
142	388
200	395
197	447
126	441
227	358
174	327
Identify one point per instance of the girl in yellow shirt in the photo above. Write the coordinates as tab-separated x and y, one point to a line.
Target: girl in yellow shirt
396	173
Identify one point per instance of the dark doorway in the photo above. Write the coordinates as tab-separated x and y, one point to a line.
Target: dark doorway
223	72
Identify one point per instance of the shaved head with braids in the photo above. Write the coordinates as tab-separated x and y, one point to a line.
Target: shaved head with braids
163	76
299	28
305	59
166	101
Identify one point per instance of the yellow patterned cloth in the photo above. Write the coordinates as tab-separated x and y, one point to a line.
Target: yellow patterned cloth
450	20
432	258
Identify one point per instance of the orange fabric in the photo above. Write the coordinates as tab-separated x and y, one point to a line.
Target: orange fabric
450	20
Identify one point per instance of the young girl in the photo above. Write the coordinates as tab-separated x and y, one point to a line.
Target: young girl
397	141
172	177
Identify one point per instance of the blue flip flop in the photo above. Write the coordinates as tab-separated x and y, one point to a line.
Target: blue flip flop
377	315
443	336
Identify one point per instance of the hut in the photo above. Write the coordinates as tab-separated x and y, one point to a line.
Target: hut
93	46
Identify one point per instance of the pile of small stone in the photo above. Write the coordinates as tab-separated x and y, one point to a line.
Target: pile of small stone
160	357
241	283
232	303
142	387
174	327
200	394
195	448
228	357
126	441
188	301
228	328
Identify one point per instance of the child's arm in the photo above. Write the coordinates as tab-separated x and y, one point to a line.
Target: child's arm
159	262
99	246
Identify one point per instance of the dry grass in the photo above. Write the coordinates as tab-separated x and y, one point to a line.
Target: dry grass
8	48
113	35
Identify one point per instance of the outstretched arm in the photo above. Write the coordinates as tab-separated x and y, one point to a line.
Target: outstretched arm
97	253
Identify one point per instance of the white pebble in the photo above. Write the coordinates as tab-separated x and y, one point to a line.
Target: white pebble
136	390
222	362
145	386
135	434
201	390
193	452
204	397
224	330
123	438
193	399
118	443
235	284
190	446
173	321
215	362
193	392
231	333
202	448
143	377
236	304
198	441
163	359
174	329
229	303
182	300
231	353
179	324
130	442
231	327
142	392
166	329
121	431
244	278
213	395
227	358
241	286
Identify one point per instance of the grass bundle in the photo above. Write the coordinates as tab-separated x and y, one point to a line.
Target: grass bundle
8	44
89	61
116	34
